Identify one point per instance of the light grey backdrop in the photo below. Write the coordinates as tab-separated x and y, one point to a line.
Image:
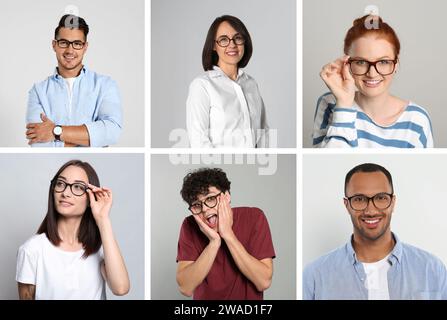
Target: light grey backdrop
274	194
420	27
116	49
179	30
419	214
24	203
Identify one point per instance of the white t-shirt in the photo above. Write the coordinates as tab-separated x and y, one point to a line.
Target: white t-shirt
70	83
59	274
377	279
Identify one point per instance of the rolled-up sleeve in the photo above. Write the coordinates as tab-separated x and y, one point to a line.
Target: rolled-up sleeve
106	129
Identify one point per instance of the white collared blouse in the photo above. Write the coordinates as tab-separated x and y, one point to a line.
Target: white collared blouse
221	112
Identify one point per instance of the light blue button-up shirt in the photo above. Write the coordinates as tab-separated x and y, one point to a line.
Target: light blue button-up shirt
96	103
338	275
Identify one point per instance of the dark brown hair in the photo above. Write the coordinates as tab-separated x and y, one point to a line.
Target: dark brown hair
370	24
197	182
209	55
88	230
72	22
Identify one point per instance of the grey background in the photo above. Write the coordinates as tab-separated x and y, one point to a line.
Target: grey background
419	214
24	203
179	30
116	49
420	27
274	194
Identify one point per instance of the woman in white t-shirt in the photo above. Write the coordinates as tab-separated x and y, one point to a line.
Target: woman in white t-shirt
224	107
74	252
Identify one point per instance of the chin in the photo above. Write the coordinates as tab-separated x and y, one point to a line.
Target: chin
68	213
372	93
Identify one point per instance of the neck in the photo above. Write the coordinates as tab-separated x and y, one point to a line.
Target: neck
68	229
373	250
230	70
374	106
69	73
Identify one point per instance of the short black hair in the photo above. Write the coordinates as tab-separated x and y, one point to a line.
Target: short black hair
210	57
198	182
369	167
72	22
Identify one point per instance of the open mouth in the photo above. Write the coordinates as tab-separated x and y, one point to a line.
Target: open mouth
69	58
372	83
371	223
211	220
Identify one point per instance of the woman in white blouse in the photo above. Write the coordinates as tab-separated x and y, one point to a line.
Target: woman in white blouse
224	107
74	252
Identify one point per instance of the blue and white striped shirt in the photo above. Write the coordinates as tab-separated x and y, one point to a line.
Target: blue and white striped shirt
351	127
414	274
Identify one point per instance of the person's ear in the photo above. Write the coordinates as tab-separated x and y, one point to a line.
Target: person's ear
346	202
53	44
228	195
393	202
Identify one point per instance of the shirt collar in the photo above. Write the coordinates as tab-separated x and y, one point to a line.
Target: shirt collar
218	72
81	74
396	253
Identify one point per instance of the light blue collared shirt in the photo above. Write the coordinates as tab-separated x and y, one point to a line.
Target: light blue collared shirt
96	103
414	275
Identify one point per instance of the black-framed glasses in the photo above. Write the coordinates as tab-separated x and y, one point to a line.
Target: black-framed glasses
360	202
64	43
224	41
360	67
77	188
210	202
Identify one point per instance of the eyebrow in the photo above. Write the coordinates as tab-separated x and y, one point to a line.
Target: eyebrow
225	35
63	178
378	59
206	197
63	39
362	194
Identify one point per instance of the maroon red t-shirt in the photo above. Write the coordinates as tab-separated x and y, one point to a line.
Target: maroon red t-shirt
225	281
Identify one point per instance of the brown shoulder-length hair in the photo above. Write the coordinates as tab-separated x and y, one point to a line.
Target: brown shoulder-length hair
88	234
209	55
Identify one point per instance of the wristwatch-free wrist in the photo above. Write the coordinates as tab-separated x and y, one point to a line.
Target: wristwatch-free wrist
57	131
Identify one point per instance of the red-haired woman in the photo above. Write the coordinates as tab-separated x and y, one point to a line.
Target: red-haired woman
74	252
360	110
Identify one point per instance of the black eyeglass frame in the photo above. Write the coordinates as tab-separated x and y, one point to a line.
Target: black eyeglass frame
374	64
391	195
203	203
70	43
54	182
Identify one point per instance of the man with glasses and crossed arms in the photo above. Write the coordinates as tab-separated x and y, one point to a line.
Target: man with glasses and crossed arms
75	106
223	252
374	264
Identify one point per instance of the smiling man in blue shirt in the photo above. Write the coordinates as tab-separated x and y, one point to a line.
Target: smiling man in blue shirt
75	106
374	264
